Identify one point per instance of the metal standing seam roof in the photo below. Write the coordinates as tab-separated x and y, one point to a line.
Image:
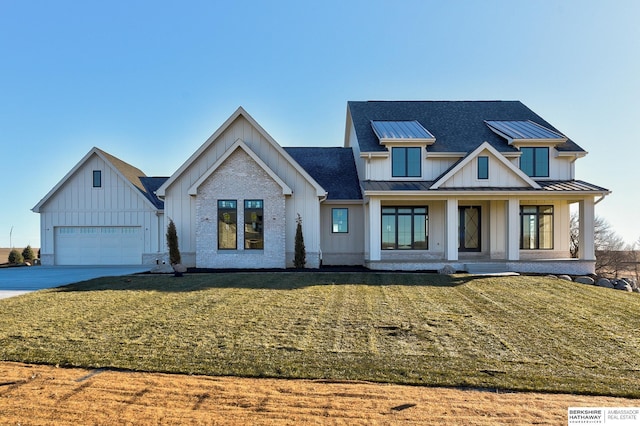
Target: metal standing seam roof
552	186
516	129
400	130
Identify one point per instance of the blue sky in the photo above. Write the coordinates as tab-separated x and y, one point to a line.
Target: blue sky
149	81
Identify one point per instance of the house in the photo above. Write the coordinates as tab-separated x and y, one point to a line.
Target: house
478	185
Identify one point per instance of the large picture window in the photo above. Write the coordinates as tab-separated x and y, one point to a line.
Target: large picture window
534	162
340	221
536	227
227	224
253	225
405	228
406	162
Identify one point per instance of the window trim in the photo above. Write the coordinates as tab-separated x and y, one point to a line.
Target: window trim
534	165
97	178
221	210
538	215
482	167
397	214
247	243
406	150
333	223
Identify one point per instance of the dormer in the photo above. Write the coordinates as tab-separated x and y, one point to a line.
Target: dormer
519	133
405	141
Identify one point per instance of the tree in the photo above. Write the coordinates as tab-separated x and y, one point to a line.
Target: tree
15	257
609	246
27	254
300	256
172	243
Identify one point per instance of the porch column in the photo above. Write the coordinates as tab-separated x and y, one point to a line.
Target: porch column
513	229
451	227
586	248
375	229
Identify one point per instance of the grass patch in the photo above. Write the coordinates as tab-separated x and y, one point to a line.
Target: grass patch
519	333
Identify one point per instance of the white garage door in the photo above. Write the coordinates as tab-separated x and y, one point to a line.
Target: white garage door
98	245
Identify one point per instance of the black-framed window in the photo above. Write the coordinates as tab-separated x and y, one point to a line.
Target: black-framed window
536	227
339	221
97	178
227	224
406	162
483	167
405	228
534	162
253	224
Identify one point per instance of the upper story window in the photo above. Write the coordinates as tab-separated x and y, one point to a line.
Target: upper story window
534	162
483	167
97	178
406	162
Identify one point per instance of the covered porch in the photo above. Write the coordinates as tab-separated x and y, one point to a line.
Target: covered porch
480	233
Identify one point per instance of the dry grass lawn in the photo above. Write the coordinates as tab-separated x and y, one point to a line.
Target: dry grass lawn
42	395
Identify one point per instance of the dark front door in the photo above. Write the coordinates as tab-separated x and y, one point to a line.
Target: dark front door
469	228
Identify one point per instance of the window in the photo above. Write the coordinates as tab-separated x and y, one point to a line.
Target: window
483	167
406	162
405	228
536	227
97	178
339	221
534	162
253	225
227	224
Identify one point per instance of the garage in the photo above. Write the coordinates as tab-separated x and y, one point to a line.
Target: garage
98	245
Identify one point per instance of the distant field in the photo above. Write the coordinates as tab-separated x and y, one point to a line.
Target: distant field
4	253
516	333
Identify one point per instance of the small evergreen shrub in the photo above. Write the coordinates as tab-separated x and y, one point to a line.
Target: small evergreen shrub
27	254
300	256
15	257
172	243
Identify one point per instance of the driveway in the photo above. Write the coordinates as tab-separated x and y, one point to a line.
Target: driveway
16	281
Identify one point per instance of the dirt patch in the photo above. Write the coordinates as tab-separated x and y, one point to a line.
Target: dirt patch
38	395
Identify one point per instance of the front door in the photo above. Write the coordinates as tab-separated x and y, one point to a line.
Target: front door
469	228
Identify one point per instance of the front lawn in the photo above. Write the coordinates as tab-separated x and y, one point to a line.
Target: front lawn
520	333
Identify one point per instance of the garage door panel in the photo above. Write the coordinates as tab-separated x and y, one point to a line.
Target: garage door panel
98	245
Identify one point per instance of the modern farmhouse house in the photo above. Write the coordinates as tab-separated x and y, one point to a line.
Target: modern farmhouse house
476	185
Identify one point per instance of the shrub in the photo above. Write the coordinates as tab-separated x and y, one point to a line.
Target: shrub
27	254
300	256
172	243
15	257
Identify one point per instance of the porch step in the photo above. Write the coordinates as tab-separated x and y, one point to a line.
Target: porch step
486	268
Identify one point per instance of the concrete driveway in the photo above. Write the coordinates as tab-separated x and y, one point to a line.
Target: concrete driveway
16	281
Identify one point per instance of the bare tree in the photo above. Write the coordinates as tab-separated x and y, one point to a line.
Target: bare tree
609	246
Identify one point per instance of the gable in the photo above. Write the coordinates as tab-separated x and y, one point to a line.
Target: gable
75	192
240	126
501	172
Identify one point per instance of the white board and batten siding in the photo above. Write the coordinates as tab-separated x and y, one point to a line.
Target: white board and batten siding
112	224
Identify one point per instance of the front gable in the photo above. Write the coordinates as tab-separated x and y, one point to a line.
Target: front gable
501	173
120	187
240	126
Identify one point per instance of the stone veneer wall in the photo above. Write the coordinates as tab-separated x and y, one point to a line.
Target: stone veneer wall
240	178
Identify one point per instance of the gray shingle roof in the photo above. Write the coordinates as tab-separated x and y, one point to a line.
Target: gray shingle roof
458	126
333	168
151	185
